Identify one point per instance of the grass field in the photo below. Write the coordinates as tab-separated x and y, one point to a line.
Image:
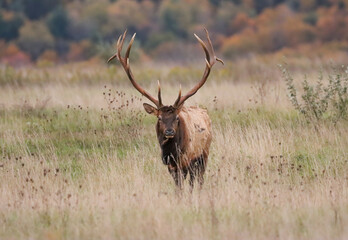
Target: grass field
80	159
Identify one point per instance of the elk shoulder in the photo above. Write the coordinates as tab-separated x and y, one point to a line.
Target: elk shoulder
198	130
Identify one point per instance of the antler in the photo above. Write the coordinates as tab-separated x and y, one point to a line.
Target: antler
125	63
209	64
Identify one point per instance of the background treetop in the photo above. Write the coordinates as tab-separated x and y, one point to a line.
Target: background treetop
83	29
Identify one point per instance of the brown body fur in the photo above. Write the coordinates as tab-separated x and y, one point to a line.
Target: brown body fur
188	150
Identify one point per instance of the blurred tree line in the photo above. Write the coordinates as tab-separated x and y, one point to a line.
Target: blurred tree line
73	30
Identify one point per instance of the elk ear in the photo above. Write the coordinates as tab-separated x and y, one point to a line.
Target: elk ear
150	109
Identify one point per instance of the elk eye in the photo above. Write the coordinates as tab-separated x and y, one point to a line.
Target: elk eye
159	118
177	118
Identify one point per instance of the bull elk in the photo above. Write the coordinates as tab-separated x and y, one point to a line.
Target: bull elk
184	133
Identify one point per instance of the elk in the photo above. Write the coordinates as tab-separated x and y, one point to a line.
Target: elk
184	133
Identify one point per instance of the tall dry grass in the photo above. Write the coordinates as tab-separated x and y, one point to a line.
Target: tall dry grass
75	166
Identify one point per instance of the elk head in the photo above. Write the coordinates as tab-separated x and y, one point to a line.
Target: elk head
168	116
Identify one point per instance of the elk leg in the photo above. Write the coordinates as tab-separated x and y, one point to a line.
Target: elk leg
184	171
201	169
194	170
192	178
177	176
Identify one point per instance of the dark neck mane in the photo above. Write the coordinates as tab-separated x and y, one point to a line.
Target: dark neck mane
172	148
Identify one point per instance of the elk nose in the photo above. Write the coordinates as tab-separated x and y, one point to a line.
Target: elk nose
169	132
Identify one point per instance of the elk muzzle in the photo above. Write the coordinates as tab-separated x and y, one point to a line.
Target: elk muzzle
169	133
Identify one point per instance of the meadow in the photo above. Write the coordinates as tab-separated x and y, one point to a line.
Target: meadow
80	158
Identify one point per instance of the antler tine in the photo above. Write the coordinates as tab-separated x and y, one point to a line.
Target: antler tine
209	65
112	57
117	53
178	99
204	48
126	66
212	49
129	48
159	94
120	44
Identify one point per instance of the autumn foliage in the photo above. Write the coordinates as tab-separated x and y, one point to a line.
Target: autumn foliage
63	30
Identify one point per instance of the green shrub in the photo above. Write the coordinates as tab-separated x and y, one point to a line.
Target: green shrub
326	99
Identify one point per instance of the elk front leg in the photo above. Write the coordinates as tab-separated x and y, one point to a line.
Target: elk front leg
192	179
201	164
178	176
193	170
197	169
